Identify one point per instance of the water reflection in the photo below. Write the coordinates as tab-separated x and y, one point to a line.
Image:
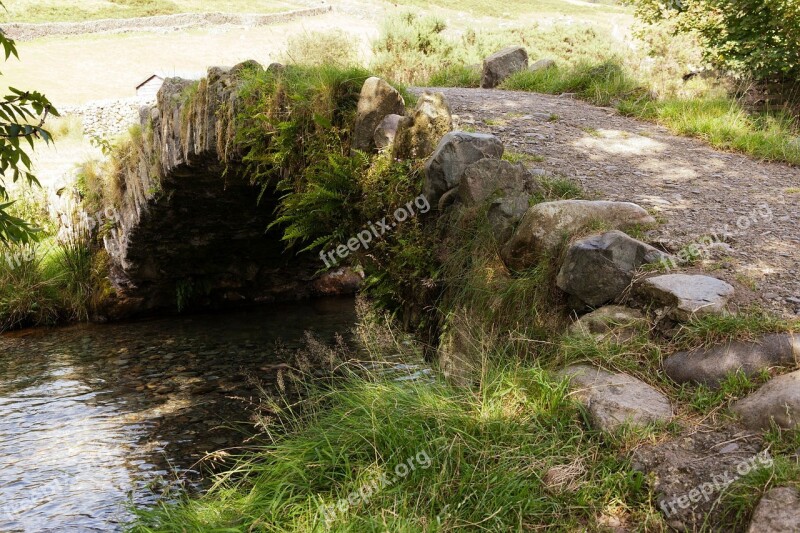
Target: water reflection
95	417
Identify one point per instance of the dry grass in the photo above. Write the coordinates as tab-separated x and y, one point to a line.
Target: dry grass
78	10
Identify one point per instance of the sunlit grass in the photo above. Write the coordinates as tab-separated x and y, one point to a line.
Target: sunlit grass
490	454
725	124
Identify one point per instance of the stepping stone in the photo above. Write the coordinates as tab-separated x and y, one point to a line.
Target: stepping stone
614	400
598	269
777	512
545	226
778	400
610	321
689	473
711	366
687	295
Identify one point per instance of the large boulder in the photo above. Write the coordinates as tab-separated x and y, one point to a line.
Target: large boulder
777	512
456	151
686	296
378	99
502	64
712	365
505	186
417	135
386	131
610	321
778	400
598	269
689	473
546	226
488	178
503	215
614	400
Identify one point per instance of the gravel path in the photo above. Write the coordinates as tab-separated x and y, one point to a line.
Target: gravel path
748	211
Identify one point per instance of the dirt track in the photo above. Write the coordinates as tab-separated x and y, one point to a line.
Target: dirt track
753	207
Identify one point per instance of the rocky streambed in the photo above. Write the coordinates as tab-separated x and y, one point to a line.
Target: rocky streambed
96	417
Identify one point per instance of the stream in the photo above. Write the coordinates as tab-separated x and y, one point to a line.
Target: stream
95	419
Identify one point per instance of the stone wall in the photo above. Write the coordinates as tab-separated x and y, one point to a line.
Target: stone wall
107	118
190	226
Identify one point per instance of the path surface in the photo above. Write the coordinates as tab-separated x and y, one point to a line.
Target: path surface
753	207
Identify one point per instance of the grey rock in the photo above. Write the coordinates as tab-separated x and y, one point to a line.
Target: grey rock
778	400
711	365
689	473
386	131
377	100
614	400
542	64
342	280
418	134
612	320
502	64
777	512
504	213
545	226
598	269
488	178
455	152
687	295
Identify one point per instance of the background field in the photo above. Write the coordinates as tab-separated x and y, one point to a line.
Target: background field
76	10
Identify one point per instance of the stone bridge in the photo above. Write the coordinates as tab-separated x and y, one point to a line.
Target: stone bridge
191	231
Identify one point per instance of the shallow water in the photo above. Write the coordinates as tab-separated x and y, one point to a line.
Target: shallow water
94	418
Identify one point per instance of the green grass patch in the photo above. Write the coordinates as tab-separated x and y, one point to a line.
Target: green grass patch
725	124
515	455
747	325
556	188
455	76
521	157
705	399
603	84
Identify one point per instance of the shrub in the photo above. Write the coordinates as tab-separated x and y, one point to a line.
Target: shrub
316	48
759	38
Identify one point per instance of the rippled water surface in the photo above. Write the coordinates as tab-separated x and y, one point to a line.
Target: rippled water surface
95	417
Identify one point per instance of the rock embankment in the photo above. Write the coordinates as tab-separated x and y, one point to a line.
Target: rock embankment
22	31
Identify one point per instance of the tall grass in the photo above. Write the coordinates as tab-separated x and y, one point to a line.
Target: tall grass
512	456
724	123
48	281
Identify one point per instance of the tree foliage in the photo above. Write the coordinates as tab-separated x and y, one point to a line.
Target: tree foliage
22	118
758	38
